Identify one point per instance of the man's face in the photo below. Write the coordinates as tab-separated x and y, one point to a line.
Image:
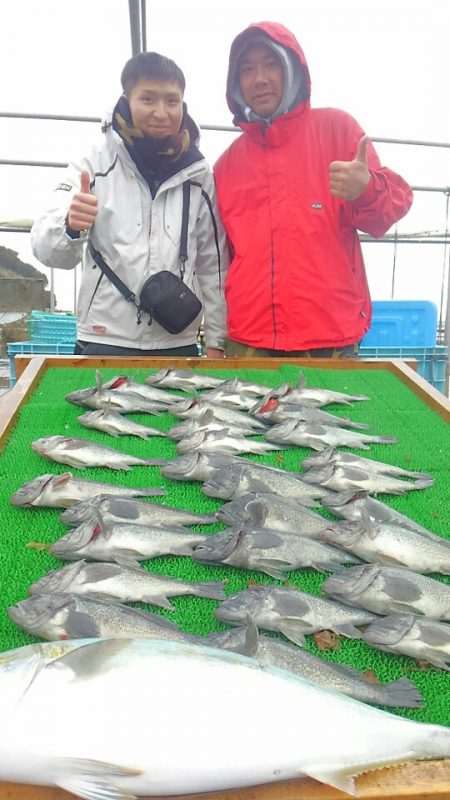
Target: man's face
261	79
156	107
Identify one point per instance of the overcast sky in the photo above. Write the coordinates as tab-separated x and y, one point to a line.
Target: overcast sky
384	61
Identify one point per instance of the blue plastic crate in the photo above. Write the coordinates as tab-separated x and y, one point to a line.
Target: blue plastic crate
35	348
55	328
431	361
402	323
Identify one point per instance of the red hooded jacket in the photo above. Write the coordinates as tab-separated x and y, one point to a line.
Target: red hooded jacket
297	279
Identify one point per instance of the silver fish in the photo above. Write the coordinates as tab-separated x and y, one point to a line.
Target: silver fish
62	615
116	582
114	423
324	457
195	406
126	385
118	509
385	590
318	396
237	479
83	453
390	545
307	434
109	690
410	635
197	466
272	511
62	491
247	387
184	379
273	552
291	612
125	543
345	477
229	395
272	410
355	506
338	677
126	403
207	422
223	441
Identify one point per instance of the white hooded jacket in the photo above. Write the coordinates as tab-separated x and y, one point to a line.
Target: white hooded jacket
137	237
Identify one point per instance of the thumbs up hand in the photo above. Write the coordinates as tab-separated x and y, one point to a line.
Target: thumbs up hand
84	206
348	179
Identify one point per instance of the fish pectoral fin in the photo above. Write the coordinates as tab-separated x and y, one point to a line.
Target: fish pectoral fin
339	778
94	780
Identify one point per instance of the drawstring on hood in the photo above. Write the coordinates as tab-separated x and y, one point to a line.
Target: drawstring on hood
296	85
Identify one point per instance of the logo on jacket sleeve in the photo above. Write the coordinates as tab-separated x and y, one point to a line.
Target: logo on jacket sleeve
316	205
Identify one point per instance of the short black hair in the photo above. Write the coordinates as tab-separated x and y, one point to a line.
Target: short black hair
150	65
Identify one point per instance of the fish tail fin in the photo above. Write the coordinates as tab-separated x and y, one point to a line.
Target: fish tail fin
214	590
402	693
384	439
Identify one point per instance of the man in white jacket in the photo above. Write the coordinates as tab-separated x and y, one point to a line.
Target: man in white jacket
126	200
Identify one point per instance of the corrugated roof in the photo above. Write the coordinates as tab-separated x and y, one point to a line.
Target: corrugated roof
6	317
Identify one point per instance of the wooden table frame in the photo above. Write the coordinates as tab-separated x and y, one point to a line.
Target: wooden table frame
425	780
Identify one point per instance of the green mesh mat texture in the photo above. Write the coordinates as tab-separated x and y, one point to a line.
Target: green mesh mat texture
393	410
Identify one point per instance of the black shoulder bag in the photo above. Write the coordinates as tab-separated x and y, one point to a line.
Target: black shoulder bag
164	296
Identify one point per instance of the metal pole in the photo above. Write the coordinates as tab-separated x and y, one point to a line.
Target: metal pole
144	25
135	26
52	291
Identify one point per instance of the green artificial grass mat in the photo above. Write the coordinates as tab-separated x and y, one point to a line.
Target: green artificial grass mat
393	410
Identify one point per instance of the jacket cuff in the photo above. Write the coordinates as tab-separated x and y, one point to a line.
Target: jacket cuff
370	193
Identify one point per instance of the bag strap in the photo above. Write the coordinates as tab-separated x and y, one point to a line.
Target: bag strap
106	269
129	296
184	227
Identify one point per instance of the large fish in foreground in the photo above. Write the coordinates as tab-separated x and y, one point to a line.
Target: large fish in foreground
135	730
125	509
62	491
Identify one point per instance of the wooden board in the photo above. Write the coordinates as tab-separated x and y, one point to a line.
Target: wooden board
428	780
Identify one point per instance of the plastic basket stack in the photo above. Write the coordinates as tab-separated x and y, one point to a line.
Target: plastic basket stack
52	334
46	328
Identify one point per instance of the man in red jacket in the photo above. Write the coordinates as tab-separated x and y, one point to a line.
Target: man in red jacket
293	190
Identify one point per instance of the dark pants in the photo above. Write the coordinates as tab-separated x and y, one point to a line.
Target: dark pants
98	349
238	350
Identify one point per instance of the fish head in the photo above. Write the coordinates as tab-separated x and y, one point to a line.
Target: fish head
81	397
318	475
222	483
191	443
351	581
57	580
319	459
27	494
47	443
90	418
81	511
156	377
42	615
390	630
75	539
184	466
183	407
239	607
217	546
344	534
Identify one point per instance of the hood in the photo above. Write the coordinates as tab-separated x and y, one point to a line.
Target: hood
297	87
